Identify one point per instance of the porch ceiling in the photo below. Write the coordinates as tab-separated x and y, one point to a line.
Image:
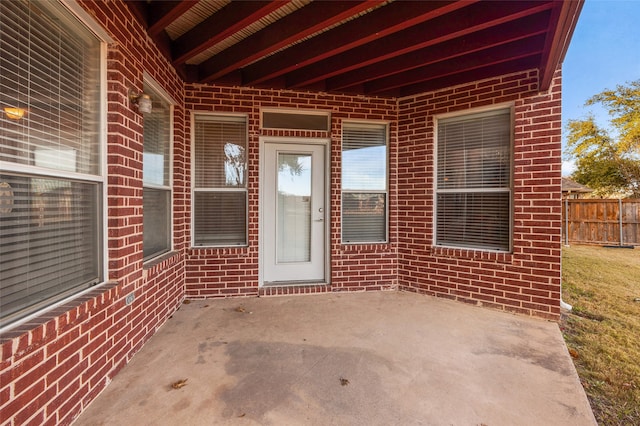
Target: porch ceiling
375	48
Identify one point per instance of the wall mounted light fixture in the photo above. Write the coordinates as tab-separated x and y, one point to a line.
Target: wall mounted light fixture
14	113
142	100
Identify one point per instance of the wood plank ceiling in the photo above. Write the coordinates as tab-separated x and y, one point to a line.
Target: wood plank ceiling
373	48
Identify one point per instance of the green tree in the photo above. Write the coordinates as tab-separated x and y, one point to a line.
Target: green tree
610	164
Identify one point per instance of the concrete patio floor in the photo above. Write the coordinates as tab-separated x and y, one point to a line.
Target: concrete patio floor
380	358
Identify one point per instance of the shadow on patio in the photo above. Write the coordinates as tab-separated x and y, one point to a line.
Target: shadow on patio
346	359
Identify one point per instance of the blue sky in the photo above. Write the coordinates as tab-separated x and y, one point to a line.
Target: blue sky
604	52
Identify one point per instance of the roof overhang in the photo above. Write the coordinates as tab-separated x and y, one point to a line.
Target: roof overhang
373	48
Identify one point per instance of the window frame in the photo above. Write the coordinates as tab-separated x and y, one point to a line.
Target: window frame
224	117
365	124
69	12
472	114
157	90
295	112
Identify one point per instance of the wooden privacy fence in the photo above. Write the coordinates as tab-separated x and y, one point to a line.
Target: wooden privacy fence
607	222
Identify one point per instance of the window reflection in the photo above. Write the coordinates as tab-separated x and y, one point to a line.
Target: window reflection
294	208
235	164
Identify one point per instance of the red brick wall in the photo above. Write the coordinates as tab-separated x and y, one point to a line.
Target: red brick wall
53	366
526	281
234	271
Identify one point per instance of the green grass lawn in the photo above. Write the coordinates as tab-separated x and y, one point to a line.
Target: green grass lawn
603	330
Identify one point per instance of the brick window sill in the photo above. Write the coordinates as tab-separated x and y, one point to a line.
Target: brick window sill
68	312
470	254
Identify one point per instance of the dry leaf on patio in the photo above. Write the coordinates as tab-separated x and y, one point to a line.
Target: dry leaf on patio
240	309
343	381
179	384
242	415
186	301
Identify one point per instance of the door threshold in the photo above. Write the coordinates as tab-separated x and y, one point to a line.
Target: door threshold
300	283
290	288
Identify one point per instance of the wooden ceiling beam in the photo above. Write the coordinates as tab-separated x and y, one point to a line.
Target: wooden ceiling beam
527	47
448	50
465	21
155	16
230	19
379	23
164	13
466	76
302	23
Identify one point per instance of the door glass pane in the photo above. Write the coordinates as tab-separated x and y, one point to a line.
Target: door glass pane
294	208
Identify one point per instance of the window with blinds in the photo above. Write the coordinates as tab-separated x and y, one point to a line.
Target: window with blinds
473	183
156	177
50	175
364	183
219	181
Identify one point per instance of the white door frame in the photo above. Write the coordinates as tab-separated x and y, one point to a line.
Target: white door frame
326	143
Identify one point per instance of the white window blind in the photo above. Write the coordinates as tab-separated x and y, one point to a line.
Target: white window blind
364	183
220	187
50	182
50	72
473	184
156	176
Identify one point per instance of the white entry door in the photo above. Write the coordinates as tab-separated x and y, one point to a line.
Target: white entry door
293	213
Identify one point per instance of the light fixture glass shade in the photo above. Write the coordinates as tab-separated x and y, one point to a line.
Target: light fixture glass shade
144	103
14	113
142	100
